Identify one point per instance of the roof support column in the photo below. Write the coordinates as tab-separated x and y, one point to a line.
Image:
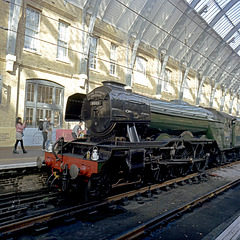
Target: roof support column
199	92
161	76
222	76
180	97
224	95
223	100
137	41
84	60
213	94
231	103
14	13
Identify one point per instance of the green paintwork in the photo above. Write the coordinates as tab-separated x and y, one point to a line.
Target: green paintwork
176	124
218	126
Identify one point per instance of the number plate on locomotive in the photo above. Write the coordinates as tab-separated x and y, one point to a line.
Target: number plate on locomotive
95	103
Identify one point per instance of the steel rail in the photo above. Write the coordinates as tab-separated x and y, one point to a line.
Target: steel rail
72	211
158	221
21	225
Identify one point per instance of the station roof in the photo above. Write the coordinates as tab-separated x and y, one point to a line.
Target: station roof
204	35
223	16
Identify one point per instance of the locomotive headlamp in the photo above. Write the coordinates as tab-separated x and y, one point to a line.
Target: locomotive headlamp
73	171
95	155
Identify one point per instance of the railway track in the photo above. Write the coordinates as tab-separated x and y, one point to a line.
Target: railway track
40	221
146	228
14	207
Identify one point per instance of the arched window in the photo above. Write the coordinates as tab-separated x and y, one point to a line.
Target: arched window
44	99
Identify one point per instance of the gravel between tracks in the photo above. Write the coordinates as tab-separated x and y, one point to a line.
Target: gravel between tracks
229	173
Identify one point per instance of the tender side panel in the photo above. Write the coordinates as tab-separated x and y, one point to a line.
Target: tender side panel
236	134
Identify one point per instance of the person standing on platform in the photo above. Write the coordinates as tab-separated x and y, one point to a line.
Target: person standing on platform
46	127
49	139
77	130
19	134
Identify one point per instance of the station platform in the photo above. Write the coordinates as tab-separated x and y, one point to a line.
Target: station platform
10	160
232	232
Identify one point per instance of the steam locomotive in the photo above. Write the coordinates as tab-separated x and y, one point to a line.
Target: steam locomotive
134	139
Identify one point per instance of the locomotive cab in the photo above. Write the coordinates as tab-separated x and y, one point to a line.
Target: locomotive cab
74	107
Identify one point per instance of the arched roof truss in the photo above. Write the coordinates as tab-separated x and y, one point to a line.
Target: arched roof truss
204	34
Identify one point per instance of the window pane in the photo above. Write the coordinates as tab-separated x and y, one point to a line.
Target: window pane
187	90
30	92
62	44
113	58
39	94
93	53
45	94
113	54
48	114
32	29
57	116
39	115
167	80
140	71
29	116
112	68
58	96
50	96
32	19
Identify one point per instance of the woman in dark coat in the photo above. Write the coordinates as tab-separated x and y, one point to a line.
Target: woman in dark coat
19	134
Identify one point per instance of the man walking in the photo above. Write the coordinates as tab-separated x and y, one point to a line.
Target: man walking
46	126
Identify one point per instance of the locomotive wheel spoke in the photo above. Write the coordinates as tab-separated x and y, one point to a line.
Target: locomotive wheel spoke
159	175
172	171
218	161
184	170
224	160
200	166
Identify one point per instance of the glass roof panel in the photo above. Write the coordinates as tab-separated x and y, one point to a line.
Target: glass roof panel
222	3
223	26
228	18
234	42
207	9
234	14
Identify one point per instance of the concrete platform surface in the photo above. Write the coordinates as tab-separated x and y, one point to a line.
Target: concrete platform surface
8	158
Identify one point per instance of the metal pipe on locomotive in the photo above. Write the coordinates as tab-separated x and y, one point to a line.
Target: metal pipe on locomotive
134	139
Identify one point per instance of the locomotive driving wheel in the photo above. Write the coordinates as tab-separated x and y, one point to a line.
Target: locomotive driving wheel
203	160
184	170
99	185
159	175
200	165
184	151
